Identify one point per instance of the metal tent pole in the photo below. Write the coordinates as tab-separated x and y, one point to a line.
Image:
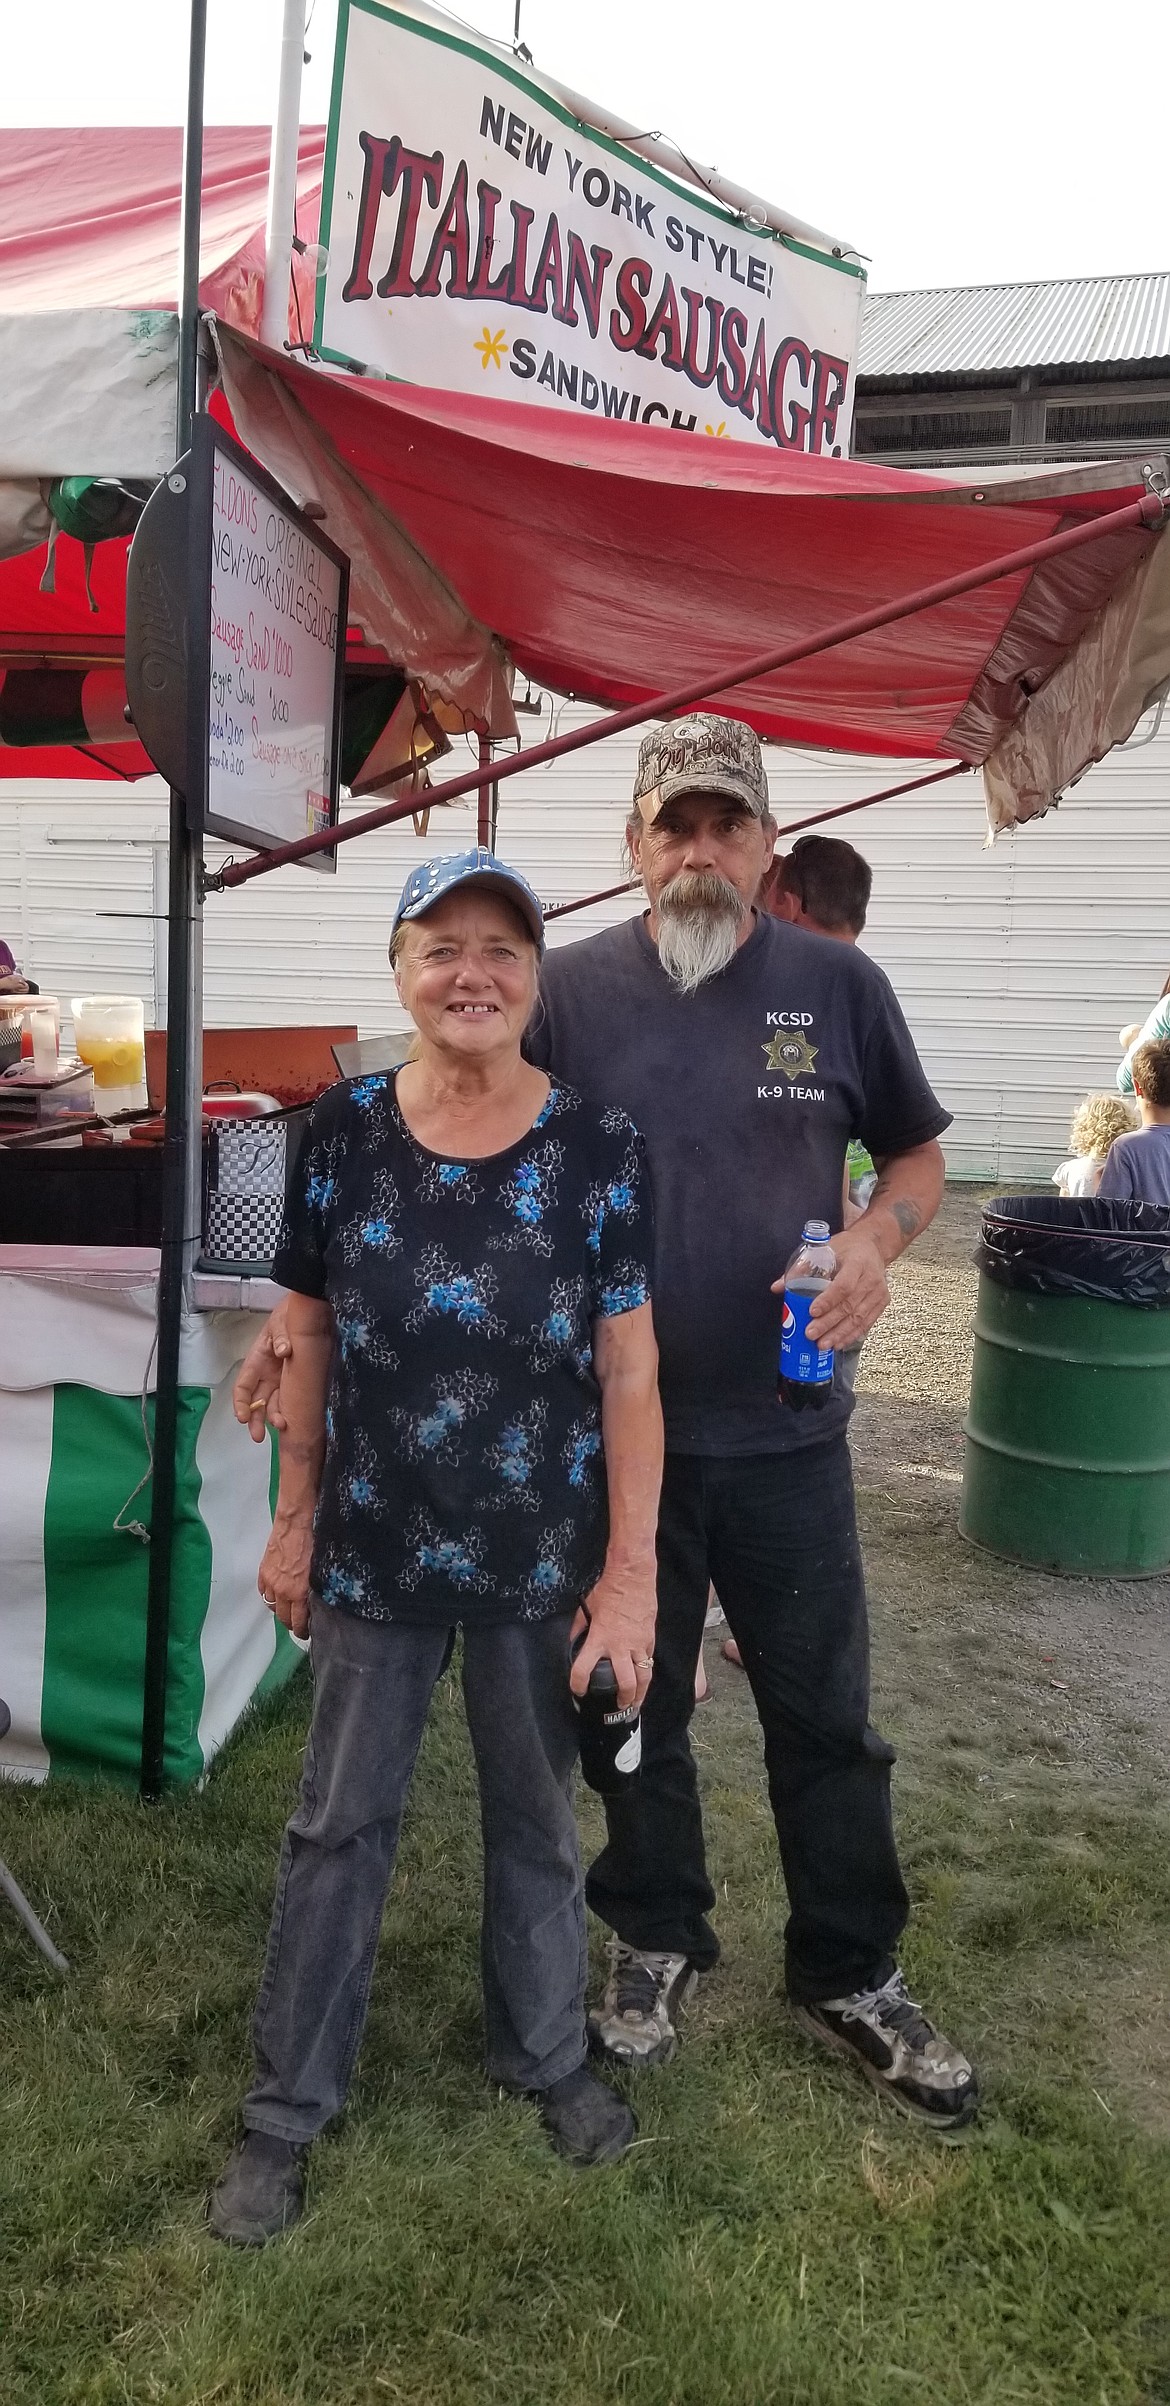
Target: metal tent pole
1149	512
561	910
484	812
181	1148
840	810
282	180
36	1928
889	793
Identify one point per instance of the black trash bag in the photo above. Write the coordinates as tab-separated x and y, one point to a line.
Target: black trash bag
1078	1245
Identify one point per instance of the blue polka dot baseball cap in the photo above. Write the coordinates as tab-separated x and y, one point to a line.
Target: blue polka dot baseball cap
434	879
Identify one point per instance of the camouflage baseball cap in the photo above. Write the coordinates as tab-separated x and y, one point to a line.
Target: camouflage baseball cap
701	755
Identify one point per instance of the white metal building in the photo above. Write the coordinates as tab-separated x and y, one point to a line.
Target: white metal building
1015	966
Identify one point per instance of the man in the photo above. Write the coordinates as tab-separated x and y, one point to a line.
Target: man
822	884
825	885
748	1052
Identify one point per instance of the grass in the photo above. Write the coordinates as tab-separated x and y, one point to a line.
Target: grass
777	2238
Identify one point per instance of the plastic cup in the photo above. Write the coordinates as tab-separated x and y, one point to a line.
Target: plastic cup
17	1012
42	1026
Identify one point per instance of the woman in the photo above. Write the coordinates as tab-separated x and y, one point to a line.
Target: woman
472	1435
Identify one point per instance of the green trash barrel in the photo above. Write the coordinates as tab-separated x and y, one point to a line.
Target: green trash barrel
1068	1429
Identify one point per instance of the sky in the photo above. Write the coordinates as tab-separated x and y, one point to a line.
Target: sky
948	146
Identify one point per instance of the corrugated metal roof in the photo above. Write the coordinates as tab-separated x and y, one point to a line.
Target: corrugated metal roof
975	329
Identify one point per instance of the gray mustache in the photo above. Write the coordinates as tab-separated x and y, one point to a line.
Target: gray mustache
701	890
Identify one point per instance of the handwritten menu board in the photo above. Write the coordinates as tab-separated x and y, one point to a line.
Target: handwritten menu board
276	645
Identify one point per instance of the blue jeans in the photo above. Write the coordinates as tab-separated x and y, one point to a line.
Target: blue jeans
373	1685
777	1534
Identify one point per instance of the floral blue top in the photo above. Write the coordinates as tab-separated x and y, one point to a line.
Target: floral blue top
463	1474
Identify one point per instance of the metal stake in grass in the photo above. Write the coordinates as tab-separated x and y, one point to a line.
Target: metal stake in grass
16	1896
36	1929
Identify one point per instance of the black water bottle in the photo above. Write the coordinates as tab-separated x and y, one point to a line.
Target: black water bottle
611	1733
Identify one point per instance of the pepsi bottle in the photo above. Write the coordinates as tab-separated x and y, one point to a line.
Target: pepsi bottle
806	1370
610	1733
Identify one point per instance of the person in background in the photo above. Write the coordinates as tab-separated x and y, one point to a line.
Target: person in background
825	884
472	1436
822	884
1095	1124
1138	1166
11	981
1150	1031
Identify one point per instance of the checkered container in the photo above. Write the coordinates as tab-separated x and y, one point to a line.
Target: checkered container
246	1169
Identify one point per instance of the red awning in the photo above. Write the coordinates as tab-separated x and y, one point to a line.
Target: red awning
38	629
617	561
89	217
89	222
612	561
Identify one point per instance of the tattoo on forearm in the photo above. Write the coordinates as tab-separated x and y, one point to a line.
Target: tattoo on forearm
908	1217
922	1169
905	1214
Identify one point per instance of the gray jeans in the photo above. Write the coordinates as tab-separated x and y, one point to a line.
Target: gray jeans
374	1681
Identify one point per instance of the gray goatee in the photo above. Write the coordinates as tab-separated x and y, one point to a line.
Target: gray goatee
699	919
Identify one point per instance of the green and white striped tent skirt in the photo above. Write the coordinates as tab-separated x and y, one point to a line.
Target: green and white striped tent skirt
76	1407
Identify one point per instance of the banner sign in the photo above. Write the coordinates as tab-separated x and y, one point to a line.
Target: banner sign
479	239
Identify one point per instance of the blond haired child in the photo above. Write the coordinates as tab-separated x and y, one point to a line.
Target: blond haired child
1095	1123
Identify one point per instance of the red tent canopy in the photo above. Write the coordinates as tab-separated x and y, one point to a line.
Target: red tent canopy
89	223
60	626
89	216
613	561
617	561
89	219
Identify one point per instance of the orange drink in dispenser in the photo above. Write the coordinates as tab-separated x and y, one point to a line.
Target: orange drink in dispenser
108	1033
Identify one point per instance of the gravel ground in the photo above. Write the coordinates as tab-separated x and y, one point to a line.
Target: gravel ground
1099	1649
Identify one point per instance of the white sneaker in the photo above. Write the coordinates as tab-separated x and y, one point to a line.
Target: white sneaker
890	2039
633	2024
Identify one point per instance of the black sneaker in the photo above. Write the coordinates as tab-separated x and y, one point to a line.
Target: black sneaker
260	2192
889	2038
585	2121
634	2025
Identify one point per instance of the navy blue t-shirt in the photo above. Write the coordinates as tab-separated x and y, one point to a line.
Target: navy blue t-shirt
1137	1167
747	1093
464	1477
